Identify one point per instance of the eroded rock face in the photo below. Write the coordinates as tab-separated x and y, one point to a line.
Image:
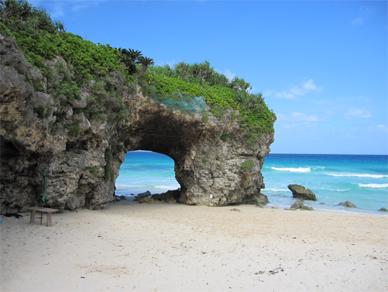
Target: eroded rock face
214	164
300	192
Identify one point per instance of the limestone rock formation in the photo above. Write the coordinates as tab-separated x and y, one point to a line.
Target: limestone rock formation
300	192
81	150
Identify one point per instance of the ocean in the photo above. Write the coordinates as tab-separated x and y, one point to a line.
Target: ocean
362	179
146	171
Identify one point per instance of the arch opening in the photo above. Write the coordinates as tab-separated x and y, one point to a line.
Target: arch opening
144	170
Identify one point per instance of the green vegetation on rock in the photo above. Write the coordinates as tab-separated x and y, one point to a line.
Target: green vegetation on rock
247	165
193	88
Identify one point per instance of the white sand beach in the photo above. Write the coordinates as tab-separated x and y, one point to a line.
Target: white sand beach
171	247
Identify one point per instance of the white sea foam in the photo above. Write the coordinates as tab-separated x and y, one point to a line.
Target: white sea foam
368	175
333	189
293	169
373	186
276	189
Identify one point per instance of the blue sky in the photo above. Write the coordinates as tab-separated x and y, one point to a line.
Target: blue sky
322	66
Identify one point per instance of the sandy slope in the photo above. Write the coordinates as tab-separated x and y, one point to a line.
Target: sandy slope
162	247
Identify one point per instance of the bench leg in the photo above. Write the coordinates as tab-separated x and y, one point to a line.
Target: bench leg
32	217
49	221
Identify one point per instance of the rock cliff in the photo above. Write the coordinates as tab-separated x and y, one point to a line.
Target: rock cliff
55	138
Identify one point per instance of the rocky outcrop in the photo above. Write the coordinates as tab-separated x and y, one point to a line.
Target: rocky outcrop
347	204
299	205
257	199
77	145
171	196
300	192
383	209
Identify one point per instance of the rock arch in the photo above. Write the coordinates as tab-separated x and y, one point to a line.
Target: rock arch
213	163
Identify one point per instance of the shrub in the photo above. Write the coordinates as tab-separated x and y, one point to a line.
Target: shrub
74	129
189	87
247	165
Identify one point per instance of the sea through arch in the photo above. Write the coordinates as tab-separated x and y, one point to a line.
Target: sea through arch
143	171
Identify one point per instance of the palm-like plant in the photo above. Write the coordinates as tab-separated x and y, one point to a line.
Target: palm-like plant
134	54
145	62
129	58
59	26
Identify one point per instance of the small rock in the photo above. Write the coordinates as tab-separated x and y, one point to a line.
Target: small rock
69	113
257	199
347	204
235	210
299	205
144	198
98	207
147	200
383	209
142	195
300	192
81	102
168	197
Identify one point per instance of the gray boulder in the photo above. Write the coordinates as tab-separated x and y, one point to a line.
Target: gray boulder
146	200
299	205
257	199
300	192
168	197
383	209
144	197
347	204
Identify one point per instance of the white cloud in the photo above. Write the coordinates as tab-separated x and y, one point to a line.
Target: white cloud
228	74
358	21
302	117
382	127
358	113
58	8
293	92
295	117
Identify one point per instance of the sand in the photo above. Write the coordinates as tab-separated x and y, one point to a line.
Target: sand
171	247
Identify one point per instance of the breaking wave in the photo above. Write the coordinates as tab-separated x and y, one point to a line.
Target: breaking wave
373	186
368	175
277	189
293	169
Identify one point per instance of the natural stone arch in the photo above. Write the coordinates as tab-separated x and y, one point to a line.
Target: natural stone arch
214	163
208	166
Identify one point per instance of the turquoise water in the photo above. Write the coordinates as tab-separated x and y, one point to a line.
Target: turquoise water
146	171
362	179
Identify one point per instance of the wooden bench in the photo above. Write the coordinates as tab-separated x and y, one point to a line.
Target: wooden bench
47	211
